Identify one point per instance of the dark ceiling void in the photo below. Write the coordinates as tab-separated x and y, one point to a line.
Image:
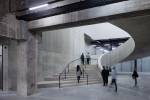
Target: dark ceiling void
66	9
109	43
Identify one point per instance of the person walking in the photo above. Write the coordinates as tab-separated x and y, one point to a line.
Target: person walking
82	58
104	75
135	76
114	77
88	58
78	73
107	75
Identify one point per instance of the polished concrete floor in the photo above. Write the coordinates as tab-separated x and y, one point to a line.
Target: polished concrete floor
126	91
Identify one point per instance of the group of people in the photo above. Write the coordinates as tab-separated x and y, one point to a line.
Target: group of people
105	72
88	58
105	75
78	68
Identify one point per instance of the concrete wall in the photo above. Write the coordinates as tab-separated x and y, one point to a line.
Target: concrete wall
12	28
59	48
4	7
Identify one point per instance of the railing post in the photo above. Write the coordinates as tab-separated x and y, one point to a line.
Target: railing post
59	81
83	72
65	73
97	63
68	68
87	79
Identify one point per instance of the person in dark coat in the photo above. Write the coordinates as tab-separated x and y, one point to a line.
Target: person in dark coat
82	58
78	73
88	58
135	76
107	75
104	75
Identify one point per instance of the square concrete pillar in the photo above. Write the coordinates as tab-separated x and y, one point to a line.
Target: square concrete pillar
22	68
27	62
5	68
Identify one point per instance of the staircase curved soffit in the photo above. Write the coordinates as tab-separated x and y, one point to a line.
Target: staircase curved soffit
120	53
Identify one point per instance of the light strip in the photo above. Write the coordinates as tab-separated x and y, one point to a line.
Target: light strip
38	7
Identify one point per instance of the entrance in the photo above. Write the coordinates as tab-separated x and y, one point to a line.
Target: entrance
1	68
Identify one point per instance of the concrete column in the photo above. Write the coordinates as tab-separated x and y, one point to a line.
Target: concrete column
27	65
12	64
22	68
32	52
5	68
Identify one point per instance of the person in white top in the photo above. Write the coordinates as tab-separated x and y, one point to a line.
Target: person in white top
114	77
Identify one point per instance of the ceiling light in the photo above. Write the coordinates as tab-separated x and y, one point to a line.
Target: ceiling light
38	7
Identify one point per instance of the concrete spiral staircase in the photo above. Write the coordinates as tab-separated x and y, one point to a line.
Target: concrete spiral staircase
93	71
93	77
68	78
119	54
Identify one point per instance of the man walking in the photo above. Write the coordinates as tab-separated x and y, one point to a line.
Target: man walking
135	76
107	75
104	75
88	58
82	58
114	77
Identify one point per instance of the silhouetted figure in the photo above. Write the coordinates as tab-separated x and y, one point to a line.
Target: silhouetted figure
78	73
88	58
135	76
104	76
82	58
114	77
107	75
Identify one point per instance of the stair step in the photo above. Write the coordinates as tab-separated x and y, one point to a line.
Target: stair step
64	84
71	79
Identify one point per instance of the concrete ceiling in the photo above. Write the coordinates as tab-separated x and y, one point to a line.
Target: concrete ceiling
139	29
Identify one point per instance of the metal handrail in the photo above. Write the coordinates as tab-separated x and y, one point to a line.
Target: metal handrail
67	67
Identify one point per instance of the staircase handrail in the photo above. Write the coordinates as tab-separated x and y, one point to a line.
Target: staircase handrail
67	67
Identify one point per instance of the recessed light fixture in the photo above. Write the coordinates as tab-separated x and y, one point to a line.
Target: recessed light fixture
38	7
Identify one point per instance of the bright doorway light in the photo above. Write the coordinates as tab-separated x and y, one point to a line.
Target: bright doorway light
38	7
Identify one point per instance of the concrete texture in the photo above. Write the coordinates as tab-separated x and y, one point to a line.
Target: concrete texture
123	51
5	68
12	65
126	9
93	15
27	43
12	28
126	91
59	48
138	28
4	7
